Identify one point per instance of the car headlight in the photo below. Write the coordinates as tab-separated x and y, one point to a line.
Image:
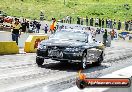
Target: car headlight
41	46
72	49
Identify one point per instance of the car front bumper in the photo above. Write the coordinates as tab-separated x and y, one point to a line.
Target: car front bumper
70	56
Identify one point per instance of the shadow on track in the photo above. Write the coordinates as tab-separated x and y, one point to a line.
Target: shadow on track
71	67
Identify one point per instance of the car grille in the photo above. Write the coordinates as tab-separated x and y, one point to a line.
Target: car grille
55	51
56	47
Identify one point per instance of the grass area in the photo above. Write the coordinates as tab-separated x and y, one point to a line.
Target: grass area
115	9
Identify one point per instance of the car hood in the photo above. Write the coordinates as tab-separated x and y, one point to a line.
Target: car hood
63	42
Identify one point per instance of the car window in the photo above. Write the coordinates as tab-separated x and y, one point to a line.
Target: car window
76	36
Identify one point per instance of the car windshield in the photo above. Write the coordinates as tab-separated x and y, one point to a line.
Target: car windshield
77	36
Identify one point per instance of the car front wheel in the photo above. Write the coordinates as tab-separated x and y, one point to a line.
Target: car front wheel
83	63
39	61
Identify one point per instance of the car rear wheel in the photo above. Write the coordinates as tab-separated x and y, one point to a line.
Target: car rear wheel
99	61
83	63
39	61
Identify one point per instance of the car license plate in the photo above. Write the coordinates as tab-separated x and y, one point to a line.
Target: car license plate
53	53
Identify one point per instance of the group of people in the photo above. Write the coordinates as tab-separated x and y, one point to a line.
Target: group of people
25	26
98	22
67	19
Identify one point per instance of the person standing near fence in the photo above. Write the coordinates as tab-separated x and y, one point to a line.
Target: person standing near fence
105	37
24	25
126	25
99	22
86	20
82	21
96	22
102	23
38	27
46	28
112	33
91	21
16	26
114	24
119	25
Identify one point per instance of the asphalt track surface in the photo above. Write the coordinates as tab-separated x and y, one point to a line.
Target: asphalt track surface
19	73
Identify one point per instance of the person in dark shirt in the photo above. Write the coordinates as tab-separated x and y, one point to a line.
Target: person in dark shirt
16	31
24	25
102	23
38	27
126	25
105	37
91	22
86	20
99	22
46	28
27	24
70	19
78	20
119	25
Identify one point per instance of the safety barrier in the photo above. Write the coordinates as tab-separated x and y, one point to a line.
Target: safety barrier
32	42
8	47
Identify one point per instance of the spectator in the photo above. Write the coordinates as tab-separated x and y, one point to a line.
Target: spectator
78	20
108	39
112	33
38	27
102	22
53	26
99	22
70	19
67	19
119	25
27	24
105	37
102	30
126	25
98	31
16	30
91	21
96	22
34	24
114	23
46	28
41	16
24	25
111	24
86	20
82	21
31	30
